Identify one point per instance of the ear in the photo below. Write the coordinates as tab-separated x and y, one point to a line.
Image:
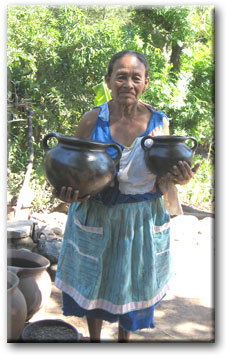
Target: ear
146	84
107	79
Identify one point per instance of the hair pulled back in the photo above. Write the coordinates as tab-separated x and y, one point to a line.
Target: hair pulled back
121	54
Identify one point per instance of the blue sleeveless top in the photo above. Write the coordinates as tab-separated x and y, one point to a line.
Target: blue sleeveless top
133	181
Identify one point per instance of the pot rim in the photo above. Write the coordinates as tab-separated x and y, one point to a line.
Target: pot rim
34	257
76	141
170	137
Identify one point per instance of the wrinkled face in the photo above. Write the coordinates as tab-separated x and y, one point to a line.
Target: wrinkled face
127	81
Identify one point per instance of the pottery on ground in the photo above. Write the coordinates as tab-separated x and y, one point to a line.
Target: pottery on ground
50	331
81	164
16	308
34	280
162	152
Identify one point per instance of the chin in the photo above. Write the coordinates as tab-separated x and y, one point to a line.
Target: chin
127	100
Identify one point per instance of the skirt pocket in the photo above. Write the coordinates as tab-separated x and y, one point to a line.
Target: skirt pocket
162	256
84	270
88	240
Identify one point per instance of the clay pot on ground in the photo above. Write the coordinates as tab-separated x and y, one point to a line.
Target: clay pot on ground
34	280
16	308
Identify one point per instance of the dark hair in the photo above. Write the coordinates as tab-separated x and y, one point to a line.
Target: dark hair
122	54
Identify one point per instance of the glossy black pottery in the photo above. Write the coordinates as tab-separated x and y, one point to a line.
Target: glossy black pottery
81	164
162	152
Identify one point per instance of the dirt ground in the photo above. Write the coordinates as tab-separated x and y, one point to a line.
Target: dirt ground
187	312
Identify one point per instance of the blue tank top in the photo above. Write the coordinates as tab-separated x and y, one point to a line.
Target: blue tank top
133	181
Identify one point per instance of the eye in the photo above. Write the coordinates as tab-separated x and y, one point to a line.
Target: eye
121	76
137	79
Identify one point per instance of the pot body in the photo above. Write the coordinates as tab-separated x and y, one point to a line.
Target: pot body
162	152
16	308
34	280
81	164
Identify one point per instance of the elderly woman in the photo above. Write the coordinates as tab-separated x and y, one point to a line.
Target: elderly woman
115	259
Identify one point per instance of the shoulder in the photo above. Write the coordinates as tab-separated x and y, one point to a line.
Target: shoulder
87	124
164	121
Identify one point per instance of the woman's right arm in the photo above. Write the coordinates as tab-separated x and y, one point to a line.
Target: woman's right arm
87	124
84	131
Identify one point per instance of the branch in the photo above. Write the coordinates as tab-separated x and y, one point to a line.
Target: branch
16	120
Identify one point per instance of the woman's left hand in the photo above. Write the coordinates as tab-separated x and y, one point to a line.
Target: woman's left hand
182	173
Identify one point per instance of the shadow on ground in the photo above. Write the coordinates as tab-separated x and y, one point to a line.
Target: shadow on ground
181	319
177	319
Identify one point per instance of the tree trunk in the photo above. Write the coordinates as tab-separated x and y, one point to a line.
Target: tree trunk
25	196
175	57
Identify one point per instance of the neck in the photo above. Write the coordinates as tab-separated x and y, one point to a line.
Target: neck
125	110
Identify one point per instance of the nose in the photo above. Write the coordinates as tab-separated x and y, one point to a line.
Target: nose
128	83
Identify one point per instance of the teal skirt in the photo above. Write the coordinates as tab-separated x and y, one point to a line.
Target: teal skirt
117	258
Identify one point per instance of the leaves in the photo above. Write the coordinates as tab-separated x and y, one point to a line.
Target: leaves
102	94
58	56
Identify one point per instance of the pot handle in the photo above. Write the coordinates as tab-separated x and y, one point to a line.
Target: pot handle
143	142
119	150
194	148
47	137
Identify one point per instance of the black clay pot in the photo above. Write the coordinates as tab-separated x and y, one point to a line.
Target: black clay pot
162	152
81	164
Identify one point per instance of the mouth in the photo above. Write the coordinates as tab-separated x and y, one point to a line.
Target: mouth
127	93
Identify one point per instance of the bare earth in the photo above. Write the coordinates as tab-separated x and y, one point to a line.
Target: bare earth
187	312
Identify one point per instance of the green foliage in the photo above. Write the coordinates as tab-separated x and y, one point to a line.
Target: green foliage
201	187
102	94
58	56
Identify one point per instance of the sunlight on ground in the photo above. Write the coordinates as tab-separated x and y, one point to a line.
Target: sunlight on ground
159	314
191	327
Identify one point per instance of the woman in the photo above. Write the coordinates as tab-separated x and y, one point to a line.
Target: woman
115	260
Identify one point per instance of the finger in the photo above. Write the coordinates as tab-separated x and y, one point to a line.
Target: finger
178	173
196	167
62	194
75	196
185	170
69	194
174	170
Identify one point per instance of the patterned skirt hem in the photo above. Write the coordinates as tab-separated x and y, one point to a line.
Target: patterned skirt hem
107	305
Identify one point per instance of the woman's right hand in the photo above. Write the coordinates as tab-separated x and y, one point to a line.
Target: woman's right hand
69	195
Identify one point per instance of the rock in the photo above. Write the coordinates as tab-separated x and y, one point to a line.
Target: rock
17	243
52	271
57	218
51	220
196	212
62	208
49	248
57	231
20	229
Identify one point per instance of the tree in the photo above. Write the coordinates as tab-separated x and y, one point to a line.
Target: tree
58	54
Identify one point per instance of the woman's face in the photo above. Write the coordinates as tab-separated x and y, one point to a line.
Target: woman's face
127	81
